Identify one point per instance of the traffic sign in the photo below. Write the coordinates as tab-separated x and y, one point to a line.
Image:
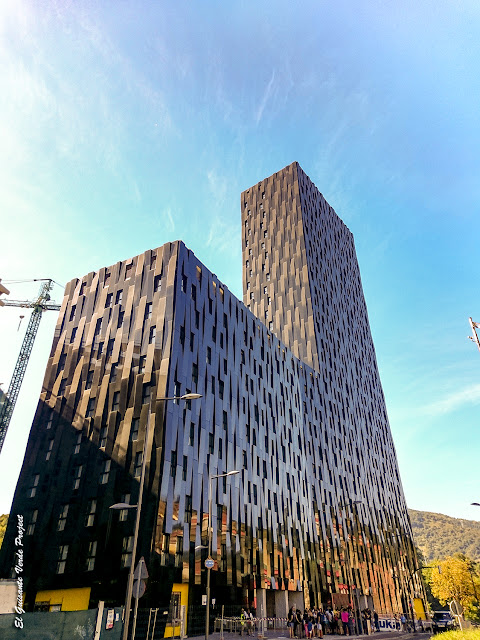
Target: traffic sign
209	563
456	608
139	587
141	572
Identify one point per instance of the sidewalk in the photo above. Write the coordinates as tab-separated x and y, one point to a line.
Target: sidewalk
281	634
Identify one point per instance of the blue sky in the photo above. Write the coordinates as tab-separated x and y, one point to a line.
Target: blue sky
129	124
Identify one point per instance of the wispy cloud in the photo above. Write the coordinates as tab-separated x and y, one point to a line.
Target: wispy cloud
218	186
266	96
168	220
452	402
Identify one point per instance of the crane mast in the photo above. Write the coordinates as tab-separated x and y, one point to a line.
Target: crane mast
41	304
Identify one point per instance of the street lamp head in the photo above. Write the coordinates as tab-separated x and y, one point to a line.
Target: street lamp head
191	396
224	475
123	505
475	504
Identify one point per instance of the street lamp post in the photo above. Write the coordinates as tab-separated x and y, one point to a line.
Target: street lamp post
128	597
209	561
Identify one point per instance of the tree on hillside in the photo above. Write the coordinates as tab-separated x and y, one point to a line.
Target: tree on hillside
3	527
457	579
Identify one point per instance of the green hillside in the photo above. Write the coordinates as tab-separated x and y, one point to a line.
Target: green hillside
438	536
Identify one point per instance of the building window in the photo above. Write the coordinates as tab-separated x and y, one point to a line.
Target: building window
110	347
92	550
98	327
61	361
90	407
50	420
194	293
184	468
137	472
119	296
108	301
197	319
74	334
49	451
148	310
211	443
195	373
92	508
33	486
188	508
116	401
105	472
127	548
63	386
134	429
177	392
191	341
141	364
100	349
123	515
113	372
225	420
157	283
121	316
62	558
173	464
62	520
128	270
191	437
103	437
89	380
151	335
146	393
209	355
221	387
31	524
77	474
72	312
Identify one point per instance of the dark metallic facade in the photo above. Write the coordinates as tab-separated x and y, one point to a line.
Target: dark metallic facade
291	397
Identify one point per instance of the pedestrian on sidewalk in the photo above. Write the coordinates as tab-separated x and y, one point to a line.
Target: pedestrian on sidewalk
290	619
344	618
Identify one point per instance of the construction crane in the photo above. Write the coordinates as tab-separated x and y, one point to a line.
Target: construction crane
39	305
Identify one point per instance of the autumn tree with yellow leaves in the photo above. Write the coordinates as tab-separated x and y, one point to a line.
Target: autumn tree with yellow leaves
458	579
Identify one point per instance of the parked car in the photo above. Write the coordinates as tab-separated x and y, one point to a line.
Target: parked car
442	621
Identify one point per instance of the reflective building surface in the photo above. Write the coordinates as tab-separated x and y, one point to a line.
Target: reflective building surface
291	398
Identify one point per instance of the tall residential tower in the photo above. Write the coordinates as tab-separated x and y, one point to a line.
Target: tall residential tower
291	398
